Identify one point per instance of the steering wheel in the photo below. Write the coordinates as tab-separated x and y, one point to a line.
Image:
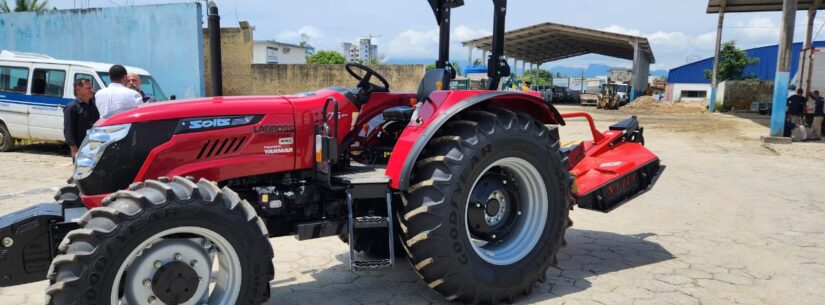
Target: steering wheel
365	86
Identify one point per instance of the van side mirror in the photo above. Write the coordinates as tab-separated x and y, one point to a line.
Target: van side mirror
173	97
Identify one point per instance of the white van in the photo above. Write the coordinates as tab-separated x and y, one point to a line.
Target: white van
34	89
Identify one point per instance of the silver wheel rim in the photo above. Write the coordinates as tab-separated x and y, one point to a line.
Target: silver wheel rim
211	256
533	210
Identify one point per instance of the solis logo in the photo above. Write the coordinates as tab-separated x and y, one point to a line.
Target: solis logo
198	124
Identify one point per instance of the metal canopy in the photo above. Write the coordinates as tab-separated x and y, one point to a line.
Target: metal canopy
551	41
743	6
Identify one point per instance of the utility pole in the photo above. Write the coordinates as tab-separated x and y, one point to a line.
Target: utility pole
715	80
783	68
215	50
805	72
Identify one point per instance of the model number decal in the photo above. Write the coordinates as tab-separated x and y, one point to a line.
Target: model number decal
277	150
198	124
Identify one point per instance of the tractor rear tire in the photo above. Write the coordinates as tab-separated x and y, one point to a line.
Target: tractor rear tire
444	222
6	141
160	241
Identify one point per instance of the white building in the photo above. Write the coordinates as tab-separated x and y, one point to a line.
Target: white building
273	52
362	51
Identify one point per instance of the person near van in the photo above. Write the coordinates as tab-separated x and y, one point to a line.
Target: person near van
116	97
796	107
80	115
819	114
133	82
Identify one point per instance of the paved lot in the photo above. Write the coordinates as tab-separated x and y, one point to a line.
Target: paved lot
732	221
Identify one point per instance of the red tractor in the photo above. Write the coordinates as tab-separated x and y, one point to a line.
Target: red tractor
471	186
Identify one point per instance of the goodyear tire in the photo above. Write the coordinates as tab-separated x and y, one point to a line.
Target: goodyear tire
165	242
487	208
6	141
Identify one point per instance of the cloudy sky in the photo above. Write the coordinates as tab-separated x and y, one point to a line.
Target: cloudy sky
679	30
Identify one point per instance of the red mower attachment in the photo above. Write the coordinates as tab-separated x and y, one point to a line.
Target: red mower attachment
612	168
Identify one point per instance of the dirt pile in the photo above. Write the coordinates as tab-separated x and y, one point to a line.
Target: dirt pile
648	104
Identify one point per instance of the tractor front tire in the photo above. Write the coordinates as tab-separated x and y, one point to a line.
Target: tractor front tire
169	241
69	197
487	207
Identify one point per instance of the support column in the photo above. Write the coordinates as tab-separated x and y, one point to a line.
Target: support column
637	57
523	66
470	56
805	73
783	68
483	57
715	80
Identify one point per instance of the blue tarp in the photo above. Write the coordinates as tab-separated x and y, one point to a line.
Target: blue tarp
694	73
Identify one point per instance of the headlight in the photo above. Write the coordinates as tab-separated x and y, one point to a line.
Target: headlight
97	139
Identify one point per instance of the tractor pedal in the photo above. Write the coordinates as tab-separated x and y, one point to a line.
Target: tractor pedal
371	264
368	222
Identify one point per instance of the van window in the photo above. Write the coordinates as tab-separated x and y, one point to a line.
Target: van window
14	79
48	82
90	78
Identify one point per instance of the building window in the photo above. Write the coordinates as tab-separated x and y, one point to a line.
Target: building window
48	82
271	55
14	79
694	94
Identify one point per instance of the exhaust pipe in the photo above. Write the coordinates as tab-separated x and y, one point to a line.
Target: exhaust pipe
215	67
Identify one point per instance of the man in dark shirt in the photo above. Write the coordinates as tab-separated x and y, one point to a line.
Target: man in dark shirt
819	114
133	82
80	115
796	107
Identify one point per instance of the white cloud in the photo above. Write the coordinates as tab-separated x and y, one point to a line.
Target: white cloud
413	44
424	44
758	29
294	36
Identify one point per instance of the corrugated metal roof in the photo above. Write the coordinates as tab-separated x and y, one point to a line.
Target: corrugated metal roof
694	73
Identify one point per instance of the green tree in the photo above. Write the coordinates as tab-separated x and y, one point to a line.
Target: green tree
326	58
477	62
25	6
539	77
732	63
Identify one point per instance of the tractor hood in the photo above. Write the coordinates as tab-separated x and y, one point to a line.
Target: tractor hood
201	107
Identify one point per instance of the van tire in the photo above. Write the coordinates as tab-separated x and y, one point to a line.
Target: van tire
6	141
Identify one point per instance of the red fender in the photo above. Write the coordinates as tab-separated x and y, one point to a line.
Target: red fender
443	105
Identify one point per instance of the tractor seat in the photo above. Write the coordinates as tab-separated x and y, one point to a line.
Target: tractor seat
398	114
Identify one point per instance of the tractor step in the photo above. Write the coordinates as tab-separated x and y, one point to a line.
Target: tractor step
371	264
354	223
369	222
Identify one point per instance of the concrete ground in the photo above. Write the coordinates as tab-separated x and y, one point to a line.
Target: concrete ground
732	221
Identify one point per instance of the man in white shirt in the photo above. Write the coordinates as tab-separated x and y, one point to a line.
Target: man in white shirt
117	97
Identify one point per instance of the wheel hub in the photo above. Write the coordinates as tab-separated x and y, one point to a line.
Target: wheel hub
175	283
495	198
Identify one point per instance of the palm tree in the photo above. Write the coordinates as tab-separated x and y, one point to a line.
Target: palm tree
25	6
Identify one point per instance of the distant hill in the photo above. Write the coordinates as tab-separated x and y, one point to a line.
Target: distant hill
592	70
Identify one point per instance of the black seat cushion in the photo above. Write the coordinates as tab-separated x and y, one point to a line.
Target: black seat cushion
398	114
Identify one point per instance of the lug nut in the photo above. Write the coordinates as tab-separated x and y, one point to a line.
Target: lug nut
158	264
518	213
503	181
8	242
178	256
193	263
147	283
152	299
478	205
494	236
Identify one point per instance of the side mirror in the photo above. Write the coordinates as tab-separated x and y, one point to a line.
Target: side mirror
173	97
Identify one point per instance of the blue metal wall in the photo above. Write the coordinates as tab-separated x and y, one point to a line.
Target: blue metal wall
164	39
694	73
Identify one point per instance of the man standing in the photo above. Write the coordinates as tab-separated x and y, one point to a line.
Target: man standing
116	97
80	115
819	114
796	107
134	83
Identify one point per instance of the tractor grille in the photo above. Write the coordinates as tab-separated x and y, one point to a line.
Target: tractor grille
219	147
